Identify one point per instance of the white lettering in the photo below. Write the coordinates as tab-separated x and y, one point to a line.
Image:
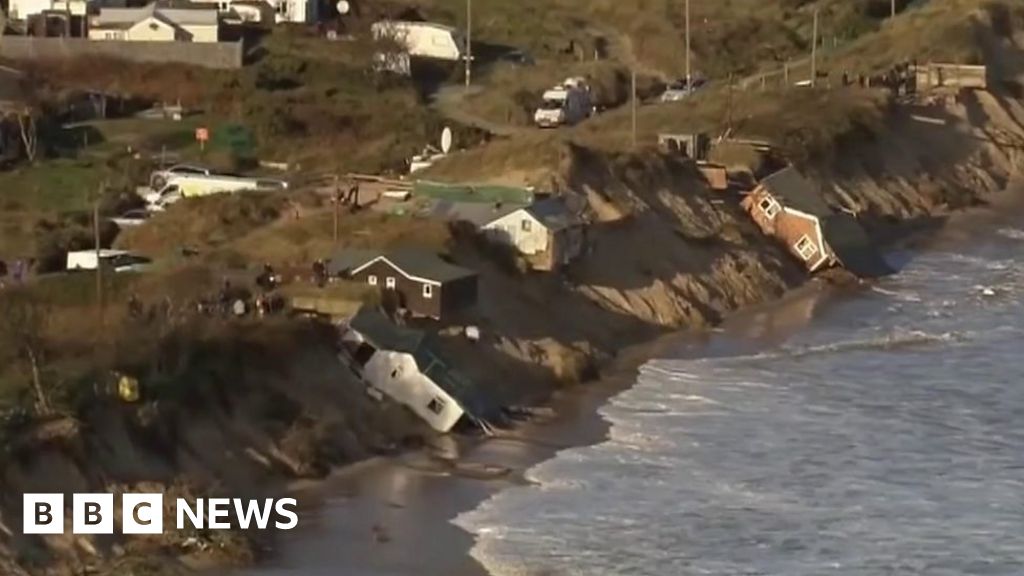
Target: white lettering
219	508
282	509
184	510
253	509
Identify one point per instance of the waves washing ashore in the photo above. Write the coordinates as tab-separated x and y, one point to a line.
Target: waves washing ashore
885	439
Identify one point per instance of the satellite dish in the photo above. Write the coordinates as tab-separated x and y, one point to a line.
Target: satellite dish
343	7
446	140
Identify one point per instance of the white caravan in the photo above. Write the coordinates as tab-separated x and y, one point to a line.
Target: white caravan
422	39
566	104
118	260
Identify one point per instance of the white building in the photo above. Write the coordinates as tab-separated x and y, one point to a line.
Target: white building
398	363
155	24
21	10
295	11
546	232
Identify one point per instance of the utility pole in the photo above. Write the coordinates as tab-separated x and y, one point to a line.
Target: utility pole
469	42
99	261
634	104
893	8
689	77
337	208
814	51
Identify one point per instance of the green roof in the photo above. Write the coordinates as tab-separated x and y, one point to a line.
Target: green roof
473	193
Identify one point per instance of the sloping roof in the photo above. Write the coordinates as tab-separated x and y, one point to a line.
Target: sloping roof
346	260
553	214
794	190
412	261
383	334
477	213
126	17
852	247
424	264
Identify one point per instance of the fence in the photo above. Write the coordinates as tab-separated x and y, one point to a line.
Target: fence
219	55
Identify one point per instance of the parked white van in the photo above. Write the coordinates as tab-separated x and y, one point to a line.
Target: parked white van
118	260
567	104
198	185
422	39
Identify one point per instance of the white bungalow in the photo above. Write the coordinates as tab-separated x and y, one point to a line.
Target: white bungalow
399	363
155	24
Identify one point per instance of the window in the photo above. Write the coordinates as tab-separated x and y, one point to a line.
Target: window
770	207
428	291
390	283
437	405
805	247
372	280
526	225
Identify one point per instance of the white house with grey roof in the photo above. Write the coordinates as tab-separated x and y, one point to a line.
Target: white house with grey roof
153	23
547	233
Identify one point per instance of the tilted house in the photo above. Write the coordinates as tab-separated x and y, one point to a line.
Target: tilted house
789	207
404	365
153	23
425	284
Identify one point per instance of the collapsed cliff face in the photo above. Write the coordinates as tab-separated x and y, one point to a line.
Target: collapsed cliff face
236	411
666	252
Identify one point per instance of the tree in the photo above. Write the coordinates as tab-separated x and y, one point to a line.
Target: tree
23	322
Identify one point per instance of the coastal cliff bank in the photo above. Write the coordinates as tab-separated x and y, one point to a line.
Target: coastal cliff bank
266	406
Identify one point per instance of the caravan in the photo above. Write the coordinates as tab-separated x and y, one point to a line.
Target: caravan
422	39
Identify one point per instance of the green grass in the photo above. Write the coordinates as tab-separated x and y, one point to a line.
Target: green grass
61	185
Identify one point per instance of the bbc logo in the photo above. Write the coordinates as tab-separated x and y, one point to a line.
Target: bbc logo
144	513
93	514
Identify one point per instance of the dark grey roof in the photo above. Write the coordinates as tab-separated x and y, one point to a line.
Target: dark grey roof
852	247
383	334
476	213
794	190
348	259
553	213
425	264
411	261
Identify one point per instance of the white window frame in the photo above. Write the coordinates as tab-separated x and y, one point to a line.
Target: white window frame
428	291
390	283
809	247
372	279
773	208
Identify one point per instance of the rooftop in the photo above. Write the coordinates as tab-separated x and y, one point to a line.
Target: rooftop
795	191
414	262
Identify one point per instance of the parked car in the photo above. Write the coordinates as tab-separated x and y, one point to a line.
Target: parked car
131	218
679	90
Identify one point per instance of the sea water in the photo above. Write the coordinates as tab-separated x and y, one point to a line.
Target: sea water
885	439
